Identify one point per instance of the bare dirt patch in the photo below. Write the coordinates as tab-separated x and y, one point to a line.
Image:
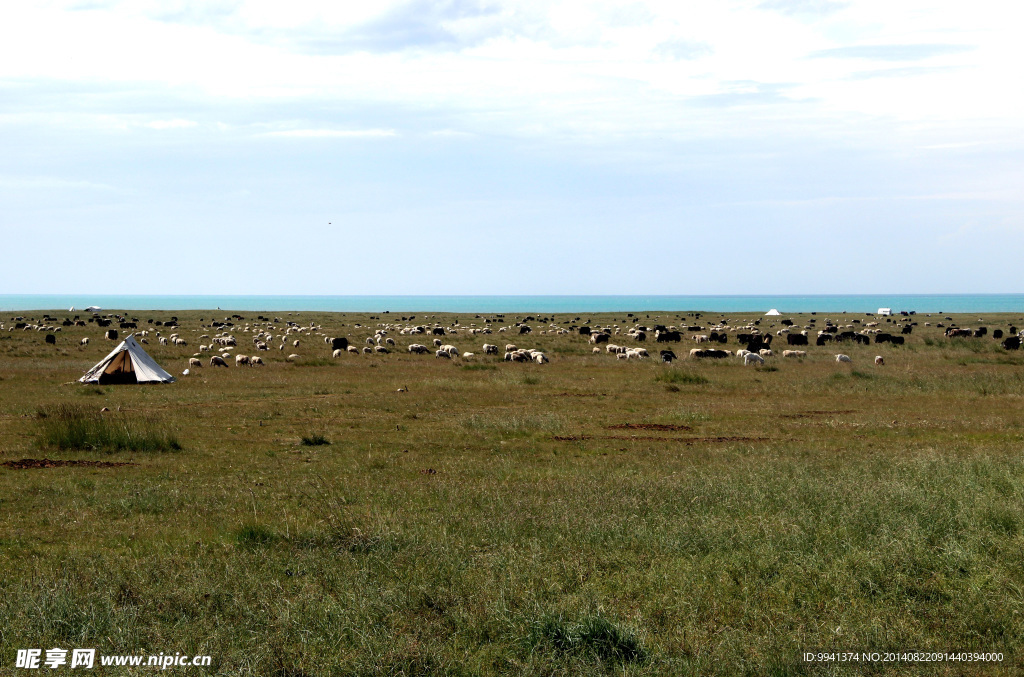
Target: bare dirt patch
30	463
663	427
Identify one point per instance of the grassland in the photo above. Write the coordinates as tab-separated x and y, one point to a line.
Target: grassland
587	516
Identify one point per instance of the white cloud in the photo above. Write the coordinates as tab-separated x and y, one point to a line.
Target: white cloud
334	133
171	124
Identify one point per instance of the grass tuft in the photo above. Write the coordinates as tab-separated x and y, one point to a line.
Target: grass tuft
314	440
71	426
595	636
254	536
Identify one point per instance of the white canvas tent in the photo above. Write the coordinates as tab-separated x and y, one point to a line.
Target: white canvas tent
127	363
773	311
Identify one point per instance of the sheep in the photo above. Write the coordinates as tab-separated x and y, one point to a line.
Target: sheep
438	343
293	357
255	360
490	349
367	350
418	349
794	353
185	373
843	358
540	358
765	352
879	360
390	341
295	343
337	353
370	341
509	348
353	349
163	341
468	355
84	342
180	342
241	359
442	353
596	350
380	349
752	358
194	362
217	361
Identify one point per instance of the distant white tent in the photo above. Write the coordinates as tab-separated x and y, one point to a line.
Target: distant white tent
127	363
885	311
773	311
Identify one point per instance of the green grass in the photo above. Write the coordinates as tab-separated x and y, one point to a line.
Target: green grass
681	377
71	426
590	516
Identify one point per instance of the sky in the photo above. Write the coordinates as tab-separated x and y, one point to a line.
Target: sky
476	147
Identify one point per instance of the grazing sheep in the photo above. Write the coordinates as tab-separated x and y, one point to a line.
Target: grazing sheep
596	350
765	352
241	359
353	349
255	360
879	360
337	353
84	341
442	353
370	341
194	362
163	341
217	361
752	358
390	341
843	358
295	343
794	353
490	349
467	355
185	373
381	349
293	357
418	349
509	348
438	343
540	358
367	349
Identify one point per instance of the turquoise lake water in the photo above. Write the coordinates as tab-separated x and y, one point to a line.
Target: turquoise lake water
924	303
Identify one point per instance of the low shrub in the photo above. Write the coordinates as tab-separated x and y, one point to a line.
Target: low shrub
71	426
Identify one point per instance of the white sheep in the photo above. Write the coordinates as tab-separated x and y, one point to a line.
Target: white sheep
843	358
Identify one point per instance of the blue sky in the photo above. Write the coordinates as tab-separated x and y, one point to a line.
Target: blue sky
465	147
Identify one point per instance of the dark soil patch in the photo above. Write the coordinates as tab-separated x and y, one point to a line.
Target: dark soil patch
581	394
29	463
664	427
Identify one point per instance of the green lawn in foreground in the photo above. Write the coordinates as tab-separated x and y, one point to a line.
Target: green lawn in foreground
503	518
